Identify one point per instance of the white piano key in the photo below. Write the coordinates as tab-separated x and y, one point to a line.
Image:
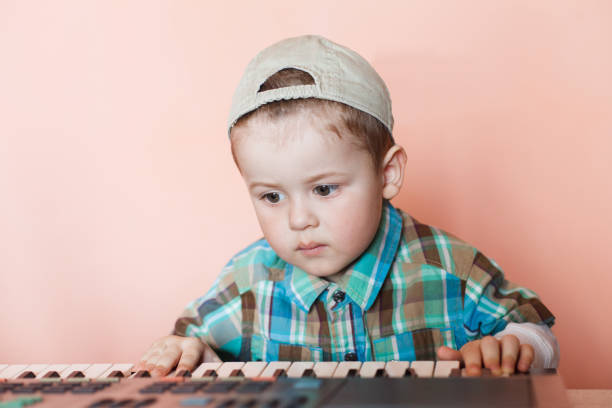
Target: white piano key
325	369
397	368
36	368
423	368
2	367
58	368
273	366
125	368
298	368
253	368
369	368
443	368
226	368
202	368
13	371
345	366
96	370
74	367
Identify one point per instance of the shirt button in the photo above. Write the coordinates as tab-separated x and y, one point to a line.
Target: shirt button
338	296
350	356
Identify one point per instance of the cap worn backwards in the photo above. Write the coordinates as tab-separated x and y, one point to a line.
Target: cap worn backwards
339	74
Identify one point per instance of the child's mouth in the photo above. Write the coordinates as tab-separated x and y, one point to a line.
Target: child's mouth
311	249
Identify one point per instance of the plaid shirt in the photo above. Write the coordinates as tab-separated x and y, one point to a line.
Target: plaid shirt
414	289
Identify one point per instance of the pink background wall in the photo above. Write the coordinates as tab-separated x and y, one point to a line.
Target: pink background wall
119	201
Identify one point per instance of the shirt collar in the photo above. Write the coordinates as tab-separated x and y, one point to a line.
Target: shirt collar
362	279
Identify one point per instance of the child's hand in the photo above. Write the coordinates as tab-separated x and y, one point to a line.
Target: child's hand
167	351
500	356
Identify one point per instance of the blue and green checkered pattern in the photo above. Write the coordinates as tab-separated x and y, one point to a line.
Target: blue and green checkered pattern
414	289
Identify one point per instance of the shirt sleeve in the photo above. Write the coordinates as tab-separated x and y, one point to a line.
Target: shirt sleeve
491	302
215	318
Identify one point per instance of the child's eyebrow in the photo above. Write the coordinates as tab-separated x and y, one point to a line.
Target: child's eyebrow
320	176
309	180
261	184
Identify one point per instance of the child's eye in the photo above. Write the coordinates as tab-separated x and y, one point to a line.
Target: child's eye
325	189
273	197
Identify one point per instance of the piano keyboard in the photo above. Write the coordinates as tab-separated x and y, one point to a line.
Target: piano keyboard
279	384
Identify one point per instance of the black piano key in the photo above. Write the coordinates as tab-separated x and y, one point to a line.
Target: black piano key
142	374
236	373
353	372
76	374
210	373
309	373
380	373
455	372
27	374
51	374
279	373
183	373
115	374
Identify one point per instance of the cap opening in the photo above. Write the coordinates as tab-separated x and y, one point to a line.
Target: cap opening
286	77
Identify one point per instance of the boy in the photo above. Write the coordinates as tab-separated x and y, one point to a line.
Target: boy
340	273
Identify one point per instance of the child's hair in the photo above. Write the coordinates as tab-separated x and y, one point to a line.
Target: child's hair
370	134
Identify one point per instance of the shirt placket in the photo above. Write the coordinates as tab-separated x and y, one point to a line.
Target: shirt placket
346	317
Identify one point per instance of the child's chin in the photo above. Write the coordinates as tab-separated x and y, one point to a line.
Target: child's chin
322	270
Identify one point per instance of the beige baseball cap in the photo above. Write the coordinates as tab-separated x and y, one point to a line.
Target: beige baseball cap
339	74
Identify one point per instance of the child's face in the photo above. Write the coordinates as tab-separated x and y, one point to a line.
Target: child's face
317	197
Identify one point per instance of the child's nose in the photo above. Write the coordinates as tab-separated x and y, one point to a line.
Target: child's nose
301	216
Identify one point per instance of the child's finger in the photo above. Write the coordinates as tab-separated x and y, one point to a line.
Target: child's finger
151	357
192	352
489	348
209	355
168	359
510	350
472	358
145	357
447	353
525	357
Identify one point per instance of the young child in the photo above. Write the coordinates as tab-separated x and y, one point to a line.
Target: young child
340	273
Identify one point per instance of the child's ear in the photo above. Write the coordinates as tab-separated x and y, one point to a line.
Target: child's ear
393	166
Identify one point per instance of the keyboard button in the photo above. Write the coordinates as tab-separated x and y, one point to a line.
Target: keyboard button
253	387
102	403
122	403
221	386
145	402
196	402
188	388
